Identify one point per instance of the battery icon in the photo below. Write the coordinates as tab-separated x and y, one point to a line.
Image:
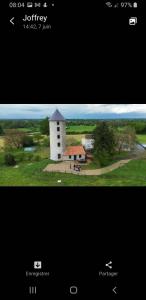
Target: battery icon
29	4
135	4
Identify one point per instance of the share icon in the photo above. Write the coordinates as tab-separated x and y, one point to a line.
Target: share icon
109	265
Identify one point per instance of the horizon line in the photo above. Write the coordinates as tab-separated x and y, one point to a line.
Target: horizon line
122	118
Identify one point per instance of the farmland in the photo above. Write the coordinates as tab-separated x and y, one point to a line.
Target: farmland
141	138
29	168
79	129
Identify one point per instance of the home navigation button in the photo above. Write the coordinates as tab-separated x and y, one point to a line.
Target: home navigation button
73	290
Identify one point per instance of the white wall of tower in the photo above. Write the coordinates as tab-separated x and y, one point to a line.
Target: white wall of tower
55	149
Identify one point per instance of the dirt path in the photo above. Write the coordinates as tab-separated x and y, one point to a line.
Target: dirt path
105	170
67	167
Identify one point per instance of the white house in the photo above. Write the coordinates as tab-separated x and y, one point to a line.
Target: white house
58	149
75	153
88	142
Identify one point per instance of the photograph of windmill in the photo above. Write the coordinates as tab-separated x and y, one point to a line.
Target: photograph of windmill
73	145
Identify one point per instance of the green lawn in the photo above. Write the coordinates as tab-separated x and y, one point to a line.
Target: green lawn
29	129
91	166
132	174
142	138
30	172
78	129
95	164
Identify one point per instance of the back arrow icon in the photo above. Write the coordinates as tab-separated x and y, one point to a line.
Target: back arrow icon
115	290
11	21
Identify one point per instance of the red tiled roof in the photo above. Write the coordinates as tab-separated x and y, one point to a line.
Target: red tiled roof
75	150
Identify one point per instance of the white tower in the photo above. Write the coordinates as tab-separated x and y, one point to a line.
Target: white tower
57	136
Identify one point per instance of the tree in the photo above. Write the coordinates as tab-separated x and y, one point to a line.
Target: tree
1	130
105	142
14	138
38	138
9	159
140	127
46	142
27	141
126	139
44	126
120	140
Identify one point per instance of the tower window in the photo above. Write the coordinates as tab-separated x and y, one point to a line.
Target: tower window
58	136
58	144
69	156
80	156
59	156
58	123
58	128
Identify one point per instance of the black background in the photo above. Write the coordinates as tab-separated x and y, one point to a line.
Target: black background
92	53
73	230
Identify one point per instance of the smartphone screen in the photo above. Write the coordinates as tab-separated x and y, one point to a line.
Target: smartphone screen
70	170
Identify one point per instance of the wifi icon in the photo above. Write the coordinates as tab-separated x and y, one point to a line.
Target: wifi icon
109	4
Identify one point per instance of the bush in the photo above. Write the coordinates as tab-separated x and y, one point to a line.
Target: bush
37	158
44	126
30	156
9	159
46	142
1	130
8	148
27	141
21	157
38	138
104	159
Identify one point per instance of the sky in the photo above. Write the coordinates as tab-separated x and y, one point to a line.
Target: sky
38	111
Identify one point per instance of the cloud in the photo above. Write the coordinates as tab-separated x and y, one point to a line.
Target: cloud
117	108
69	110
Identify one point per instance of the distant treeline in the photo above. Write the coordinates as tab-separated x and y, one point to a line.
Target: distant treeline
138	124
15	124
114	122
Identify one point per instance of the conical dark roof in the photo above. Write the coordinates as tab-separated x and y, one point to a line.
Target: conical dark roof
57	116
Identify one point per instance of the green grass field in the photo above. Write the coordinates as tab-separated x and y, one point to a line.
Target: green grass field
29	129
132	174
30	172
95	164
80	129
142	138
